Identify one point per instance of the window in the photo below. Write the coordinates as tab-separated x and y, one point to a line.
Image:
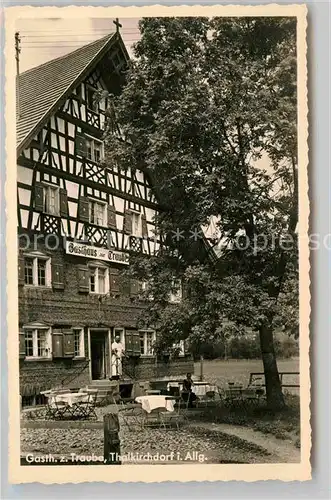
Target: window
52	197
136	224
37	343
119	332
147	340
94	149
37	271
180	348
91	99
99	282
97	213
146	290
78	342
176	293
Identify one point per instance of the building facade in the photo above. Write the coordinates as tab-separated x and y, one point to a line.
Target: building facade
78	221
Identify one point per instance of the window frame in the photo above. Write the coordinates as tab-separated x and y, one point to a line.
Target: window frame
136	234
48	342
48	270
145	333
47	188
104	207
93	141
176	297
96	267
95	106
80	330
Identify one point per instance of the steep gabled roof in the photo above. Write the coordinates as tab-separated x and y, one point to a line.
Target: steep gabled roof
43	88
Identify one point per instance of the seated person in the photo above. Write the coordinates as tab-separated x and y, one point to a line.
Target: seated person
187	393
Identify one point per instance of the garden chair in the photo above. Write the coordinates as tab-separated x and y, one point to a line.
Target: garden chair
233	396
208	400
86	409
152	419
131	414
169	418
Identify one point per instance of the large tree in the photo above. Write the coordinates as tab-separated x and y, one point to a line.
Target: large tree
209	113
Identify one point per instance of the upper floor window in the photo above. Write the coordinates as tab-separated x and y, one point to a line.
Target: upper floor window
37	271
37	342
91	98
52	199
147	340
99	280
97	212
136	224
94	149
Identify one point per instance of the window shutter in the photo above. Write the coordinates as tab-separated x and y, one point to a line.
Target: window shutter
21	345
64	212
136	343
128	343
144	230
68	344
134	287
39	197
127	222
57	338
83	279
21	273
111	217
114	280
80	144
83	208
57	276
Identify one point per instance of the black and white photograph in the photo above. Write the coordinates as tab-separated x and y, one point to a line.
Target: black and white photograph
162	207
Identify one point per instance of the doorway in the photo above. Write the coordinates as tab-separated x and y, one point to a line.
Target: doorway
98	341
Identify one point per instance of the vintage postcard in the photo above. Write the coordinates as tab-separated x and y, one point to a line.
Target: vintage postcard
157	238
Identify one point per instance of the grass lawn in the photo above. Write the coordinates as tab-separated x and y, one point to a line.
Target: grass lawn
221	372
283	425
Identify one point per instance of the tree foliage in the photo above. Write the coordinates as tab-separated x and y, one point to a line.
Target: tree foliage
209	114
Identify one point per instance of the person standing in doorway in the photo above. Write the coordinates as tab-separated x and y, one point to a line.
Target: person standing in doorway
117	353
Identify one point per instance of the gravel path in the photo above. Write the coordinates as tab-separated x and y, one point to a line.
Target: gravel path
193	443
281	450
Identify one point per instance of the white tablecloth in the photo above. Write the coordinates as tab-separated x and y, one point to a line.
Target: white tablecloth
151	402
200	389
69	397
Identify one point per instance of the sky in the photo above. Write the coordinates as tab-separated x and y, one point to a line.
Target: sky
48	38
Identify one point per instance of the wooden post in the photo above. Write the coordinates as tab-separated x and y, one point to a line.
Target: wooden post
111	440
201	368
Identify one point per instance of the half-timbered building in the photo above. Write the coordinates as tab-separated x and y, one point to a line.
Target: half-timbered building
78	220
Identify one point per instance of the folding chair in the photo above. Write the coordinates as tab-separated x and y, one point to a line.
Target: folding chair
168	418
234	396
86	409
152	419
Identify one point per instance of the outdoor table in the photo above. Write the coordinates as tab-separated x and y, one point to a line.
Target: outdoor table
198	388
69	398
152	402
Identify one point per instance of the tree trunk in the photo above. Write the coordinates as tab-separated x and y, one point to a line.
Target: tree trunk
275	398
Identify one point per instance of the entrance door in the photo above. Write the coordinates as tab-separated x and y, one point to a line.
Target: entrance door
98	354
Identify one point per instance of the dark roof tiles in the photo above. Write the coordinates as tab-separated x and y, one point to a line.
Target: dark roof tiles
41	87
